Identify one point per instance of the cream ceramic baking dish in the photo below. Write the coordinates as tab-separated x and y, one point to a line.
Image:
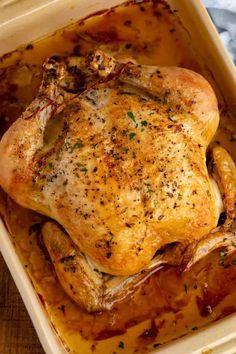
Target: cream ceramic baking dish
21	22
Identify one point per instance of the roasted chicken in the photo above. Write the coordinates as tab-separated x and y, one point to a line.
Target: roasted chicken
115	154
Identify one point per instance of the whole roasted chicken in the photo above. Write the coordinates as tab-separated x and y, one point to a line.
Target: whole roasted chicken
115	154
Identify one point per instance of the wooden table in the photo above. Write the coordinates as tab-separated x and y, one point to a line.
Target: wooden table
17	334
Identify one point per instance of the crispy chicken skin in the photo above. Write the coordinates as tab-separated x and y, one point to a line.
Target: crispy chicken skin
126	174
116	154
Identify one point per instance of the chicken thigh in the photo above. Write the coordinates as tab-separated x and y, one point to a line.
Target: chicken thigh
115	154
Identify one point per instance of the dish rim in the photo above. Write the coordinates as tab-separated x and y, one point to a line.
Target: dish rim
204	339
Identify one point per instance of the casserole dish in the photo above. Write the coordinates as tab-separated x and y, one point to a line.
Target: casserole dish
214	56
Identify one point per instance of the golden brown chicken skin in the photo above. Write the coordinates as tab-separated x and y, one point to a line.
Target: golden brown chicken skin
116	154
126	174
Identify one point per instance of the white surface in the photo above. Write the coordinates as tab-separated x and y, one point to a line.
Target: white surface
223	13
32	19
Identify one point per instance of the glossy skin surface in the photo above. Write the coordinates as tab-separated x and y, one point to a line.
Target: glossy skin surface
116	154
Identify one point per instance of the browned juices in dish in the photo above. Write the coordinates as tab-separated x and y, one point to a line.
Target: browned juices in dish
169	303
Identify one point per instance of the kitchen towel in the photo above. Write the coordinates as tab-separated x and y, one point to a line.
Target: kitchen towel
223	14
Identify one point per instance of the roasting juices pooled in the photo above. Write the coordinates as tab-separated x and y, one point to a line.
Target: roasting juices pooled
130	233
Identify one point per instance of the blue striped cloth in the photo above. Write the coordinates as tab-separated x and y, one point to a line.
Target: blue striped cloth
223	14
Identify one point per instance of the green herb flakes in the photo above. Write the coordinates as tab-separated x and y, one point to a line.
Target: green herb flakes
132	117
82	168
67	146
78	145
132	136
70	148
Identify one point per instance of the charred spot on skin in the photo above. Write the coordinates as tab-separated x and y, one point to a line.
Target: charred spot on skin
51	73
65	182
128	23
156	345
41	299
93	347
150	333
222	218
108	254
121	345
29	46
62	308
67	259
128	45
77	50
35	229
55	58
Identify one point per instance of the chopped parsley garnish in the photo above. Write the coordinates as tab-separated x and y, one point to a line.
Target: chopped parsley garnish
131	136
144	123
78	145
121	345
234	262
223	255
82	168
67	146
148	189
132	117
71	148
